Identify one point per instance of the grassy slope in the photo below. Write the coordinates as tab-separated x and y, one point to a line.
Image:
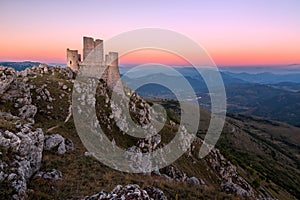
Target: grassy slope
267	152
85	176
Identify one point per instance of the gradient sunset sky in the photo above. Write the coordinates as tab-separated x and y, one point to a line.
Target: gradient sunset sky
234	32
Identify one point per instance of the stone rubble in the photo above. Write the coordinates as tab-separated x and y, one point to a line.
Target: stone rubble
131	191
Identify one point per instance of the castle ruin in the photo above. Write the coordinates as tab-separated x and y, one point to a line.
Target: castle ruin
111	63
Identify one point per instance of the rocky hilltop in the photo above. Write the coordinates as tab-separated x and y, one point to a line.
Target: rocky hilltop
41	155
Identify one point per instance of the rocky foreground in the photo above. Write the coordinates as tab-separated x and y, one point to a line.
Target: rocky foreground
36	103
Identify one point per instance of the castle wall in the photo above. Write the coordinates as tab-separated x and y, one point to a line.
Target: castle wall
73	59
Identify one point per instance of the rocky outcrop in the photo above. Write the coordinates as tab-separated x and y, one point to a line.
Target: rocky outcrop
132	191
59	143
140	107
21	145
149	144
21	155
7	76
231	181
67	73
14	90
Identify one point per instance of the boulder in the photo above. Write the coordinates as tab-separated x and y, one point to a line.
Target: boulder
234	188
58	142
52	174
89	154
69	145
194	181
155	140
64	87
55	141
155	193
27	111
174	173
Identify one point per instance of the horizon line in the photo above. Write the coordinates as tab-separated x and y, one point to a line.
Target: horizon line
297	65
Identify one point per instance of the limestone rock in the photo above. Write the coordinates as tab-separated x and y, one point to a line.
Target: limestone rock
64	87
27	111
155	193
89	154
69	145
7	76
174	173
194	181
155	140
232	182
56	141
21	152
52	174
13	89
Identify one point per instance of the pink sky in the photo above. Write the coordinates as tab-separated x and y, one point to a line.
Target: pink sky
250	32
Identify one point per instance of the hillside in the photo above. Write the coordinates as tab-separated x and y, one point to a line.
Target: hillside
266	151
42	156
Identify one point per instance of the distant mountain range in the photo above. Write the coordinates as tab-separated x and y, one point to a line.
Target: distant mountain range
19	66
274	96
275	69
266	77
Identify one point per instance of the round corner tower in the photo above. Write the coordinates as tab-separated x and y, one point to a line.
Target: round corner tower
113	74
73	59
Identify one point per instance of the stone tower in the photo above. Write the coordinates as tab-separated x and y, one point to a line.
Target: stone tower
73	59
113	74
89	44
